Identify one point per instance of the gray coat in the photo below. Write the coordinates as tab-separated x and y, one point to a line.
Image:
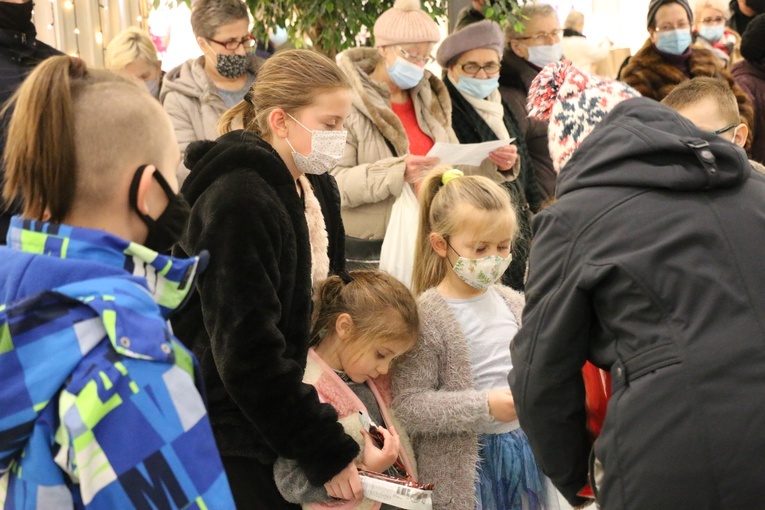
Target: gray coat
435	398
649	265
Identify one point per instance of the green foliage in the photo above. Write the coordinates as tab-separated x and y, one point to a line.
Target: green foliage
334	25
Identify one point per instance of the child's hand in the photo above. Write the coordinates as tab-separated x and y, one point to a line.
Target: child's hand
502	405
346	484
376	459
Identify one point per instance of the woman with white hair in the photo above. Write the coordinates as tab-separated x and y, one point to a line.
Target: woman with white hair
710	32
132	54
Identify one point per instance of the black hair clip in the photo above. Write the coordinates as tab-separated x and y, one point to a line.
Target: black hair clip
345	276
248	97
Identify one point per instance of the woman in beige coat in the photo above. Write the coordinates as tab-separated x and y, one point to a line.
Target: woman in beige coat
399	111
196	93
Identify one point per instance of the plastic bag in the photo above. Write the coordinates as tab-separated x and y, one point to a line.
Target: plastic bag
397	254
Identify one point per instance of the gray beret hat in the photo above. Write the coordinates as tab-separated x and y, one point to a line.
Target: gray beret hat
483	34
655	5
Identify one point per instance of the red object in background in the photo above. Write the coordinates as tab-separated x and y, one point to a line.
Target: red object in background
597	389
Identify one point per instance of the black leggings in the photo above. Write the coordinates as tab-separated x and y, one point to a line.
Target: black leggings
253	486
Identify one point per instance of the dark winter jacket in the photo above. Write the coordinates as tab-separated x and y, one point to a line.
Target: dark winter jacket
654	76
515	78
751	78
649	265
248	320
471	128
20	52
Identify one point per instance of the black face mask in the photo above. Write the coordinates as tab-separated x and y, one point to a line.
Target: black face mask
16	17
165	231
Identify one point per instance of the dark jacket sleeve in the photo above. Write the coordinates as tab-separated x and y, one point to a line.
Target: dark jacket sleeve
248	233
548	354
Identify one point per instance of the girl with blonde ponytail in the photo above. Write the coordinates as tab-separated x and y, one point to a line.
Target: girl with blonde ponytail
85	292
271	237
451	390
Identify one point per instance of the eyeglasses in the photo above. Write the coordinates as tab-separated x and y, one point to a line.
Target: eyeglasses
717	20
543	37
415	58
473	68
668	28
723	130
247	42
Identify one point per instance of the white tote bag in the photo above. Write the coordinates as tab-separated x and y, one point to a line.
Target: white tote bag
397	253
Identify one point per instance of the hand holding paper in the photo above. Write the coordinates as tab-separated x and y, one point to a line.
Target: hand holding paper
471	154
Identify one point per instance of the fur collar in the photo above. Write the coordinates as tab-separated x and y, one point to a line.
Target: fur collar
372	99
317	233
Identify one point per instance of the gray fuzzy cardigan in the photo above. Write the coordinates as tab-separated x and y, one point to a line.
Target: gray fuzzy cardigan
435	398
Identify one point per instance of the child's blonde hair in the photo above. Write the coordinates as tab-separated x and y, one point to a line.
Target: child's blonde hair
128	46
381	307
438	204
289	80
62	152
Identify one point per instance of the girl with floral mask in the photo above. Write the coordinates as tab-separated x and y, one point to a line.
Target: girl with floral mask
451	390
272	232
472	57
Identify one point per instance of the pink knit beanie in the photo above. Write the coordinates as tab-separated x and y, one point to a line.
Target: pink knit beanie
405	23
572	103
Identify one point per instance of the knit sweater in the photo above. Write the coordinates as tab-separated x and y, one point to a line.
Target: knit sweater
435	398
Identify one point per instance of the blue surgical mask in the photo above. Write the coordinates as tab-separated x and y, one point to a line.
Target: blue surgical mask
476	87
674	42
540	56
404	74
153	86
712	34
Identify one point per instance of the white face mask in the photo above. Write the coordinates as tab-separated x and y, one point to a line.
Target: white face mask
480	273
540	56
327	147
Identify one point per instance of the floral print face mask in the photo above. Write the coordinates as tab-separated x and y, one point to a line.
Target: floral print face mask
327	147
481	273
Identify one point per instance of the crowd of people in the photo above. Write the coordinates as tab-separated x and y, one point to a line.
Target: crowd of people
182	326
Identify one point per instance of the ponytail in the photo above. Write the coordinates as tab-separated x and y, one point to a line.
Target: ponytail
441	193
40	159
240	116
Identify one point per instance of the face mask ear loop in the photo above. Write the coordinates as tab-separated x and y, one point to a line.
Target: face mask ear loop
134	194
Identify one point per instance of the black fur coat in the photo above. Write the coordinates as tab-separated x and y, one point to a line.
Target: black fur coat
248	319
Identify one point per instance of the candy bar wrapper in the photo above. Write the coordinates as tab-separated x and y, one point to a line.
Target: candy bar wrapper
398	492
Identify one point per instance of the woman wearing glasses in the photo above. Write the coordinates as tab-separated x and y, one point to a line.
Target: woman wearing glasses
668	58
471	57
527	53
196	93
710	17
399	111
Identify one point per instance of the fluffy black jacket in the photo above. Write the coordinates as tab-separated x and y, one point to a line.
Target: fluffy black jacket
248	319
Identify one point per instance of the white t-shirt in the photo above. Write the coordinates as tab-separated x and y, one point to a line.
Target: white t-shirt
489	327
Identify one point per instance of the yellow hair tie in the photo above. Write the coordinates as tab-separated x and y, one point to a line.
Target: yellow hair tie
450	175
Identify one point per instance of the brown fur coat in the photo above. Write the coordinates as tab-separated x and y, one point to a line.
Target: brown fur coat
650	74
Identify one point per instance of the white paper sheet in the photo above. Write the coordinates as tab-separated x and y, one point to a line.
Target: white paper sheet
471	154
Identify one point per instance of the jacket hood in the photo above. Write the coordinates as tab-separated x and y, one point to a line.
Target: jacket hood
235	151
191	80
645	144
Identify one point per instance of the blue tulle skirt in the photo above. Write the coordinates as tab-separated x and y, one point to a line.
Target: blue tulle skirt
508	476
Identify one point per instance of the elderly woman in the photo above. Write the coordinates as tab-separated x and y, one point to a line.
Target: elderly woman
399	111
709	19
472	59
132	54
196	93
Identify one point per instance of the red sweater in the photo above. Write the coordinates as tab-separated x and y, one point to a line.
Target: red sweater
419	142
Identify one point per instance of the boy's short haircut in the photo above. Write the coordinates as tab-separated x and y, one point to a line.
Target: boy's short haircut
692	91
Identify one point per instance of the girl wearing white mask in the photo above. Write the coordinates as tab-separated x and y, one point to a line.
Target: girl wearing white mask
451	390
254	211
472	58
400	109
710	31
